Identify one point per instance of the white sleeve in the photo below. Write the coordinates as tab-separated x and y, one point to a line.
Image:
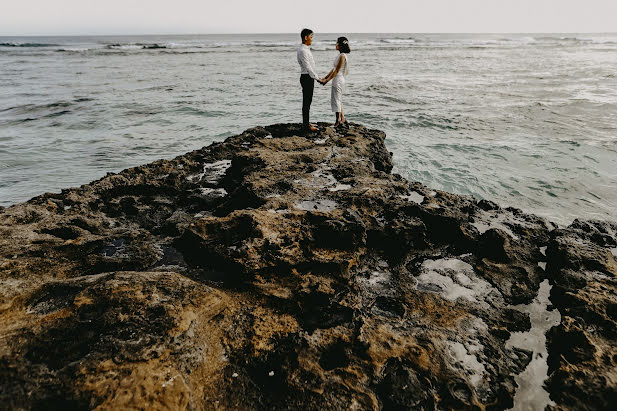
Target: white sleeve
306	61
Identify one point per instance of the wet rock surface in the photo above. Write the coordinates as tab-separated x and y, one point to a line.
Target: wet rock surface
276	270
582	361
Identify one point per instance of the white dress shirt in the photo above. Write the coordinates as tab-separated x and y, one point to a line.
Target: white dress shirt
306	62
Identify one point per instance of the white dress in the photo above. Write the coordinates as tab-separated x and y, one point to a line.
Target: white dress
338	84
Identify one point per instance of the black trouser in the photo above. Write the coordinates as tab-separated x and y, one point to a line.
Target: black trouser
308	84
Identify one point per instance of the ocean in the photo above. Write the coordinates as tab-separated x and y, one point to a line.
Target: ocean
525	120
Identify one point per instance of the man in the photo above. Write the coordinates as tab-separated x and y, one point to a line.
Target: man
307	77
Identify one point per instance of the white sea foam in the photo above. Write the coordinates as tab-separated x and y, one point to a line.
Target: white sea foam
398	41
125	46
212	172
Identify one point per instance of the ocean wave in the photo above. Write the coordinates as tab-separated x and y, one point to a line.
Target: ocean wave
518	39
573	40
326	43
399	40
61	105
604	40
205	45
73	50
153	46
274	44
191	46
33	117
576	39
546	38
402	43
135	46
28	45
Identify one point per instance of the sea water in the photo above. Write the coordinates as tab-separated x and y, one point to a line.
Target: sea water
525	120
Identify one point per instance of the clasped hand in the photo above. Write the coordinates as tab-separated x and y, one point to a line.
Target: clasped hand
322	81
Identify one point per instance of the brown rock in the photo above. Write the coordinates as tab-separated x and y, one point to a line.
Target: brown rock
277	270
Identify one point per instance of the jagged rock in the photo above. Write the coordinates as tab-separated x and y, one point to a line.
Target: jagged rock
582	360
278	270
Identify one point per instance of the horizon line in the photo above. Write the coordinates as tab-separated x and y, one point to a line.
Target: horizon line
294	33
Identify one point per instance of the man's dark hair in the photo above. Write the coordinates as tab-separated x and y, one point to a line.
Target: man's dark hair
304	33
343	45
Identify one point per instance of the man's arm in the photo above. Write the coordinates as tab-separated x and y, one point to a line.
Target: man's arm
306	62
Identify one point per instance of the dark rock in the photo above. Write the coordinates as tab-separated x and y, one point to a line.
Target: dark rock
277	270
582	263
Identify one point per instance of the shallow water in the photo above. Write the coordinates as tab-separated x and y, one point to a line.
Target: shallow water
531	394
524	120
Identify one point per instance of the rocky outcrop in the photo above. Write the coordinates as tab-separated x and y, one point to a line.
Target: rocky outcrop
583	348
275	270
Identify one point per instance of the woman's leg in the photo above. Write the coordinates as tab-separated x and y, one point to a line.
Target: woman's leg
342	119
335	101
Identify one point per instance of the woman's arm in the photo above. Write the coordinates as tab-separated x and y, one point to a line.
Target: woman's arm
323	80
326	77
336	69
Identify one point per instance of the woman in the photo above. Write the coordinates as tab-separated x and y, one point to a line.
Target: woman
337	75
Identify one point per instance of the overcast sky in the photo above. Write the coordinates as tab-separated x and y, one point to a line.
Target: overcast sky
74	17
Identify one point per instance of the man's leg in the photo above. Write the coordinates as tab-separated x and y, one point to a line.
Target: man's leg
308	84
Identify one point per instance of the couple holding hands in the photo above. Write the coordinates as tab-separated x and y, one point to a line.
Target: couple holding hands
308	77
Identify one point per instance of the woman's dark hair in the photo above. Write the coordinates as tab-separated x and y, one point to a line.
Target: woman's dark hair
343	45
304	33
